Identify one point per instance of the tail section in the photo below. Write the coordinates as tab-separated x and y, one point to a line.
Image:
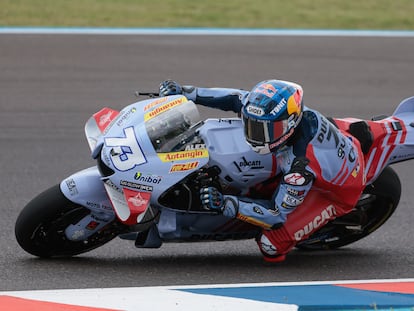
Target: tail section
391	139
405	113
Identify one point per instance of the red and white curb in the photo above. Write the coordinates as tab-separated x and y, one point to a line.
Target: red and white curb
136	298
335	295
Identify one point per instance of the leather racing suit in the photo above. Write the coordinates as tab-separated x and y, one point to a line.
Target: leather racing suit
322	172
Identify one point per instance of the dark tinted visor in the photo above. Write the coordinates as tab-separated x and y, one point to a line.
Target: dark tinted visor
261	132
255	131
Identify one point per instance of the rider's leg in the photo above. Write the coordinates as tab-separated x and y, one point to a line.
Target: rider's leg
310	216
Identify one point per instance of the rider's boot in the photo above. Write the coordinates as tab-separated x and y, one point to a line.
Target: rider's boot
269	250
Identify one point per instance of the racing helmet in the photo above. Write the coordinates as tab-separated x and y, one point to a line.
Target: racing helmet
272	111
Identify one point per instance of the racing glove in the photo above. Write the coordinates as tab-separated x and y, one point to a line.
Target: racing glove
212	199
170	87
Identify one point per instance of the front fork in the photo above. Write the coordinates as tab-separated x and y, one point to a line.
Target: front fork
86	188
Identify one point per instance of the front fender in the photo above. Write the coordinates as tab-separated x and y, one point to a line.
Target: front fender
87	189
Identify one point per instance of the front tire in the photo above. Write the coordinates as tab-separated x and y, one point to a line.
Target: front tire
40	227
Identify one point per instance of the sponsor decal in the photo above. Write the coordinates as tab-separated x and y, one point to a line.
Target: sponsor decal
293	103
109	183
104	118
151	179
266	89
157	111
254	110
294	192
155	103
184	167
355	172
183	155
278	107
291	201
295	179
130	184
73	190
282	140
195	147
137	201
93	205
255	163
125	116
328	132
245	164
326	215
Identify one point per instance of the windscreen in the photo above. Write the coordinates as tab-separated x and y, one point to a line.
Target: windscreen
174	128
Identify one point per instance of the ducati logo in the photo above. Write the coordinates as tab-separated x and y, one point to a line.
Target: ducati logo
326	215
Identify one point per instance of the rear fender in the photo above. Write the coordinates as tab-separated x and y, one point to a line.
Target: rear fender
86	188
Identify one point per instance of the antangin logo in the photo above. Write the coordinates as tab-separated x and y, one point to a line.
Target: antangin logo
183	155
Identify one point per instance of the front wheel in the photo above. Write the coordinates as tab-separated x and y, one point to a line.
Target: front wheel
376	205
40	227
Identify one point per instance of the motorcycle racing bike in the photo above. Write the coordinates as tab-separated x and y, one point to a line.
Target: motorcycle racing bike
153	156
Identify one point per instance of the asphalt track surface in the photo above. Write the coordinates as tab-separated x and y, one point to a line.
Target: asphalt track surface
51	84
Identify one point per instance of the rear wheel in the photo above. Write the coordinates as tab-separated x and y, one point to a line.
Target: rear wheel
40	227
377	203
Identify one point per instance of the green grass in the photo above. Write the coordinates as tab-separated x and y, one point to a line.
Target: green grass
316	14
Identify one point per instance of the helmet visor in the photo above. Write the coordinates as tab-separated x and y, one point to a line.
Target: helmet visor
261	132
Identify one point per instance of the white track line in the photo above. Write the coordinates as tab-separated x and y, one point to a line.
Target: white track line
206	31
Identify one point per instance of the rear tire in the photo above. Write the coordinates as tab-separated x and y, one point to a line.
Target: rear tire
40	227
376	205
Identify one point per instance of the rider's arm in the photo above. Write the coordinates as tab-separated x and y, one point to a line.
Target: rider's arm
220	98
291	192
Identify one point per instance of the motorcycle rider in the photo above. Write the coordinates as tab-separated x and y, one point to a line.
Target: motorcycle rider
322	167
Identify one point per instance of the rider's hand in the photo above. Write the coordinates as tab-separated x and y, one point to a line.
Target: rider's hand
170	87
212	199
